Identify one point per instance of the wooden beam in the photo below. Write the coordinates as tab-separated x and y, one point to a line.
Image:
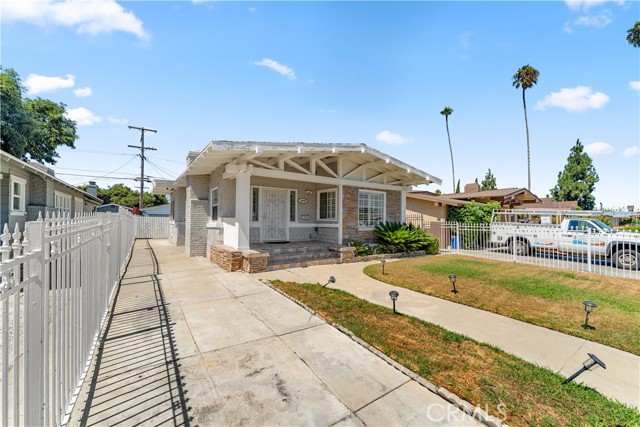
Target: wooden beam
327	168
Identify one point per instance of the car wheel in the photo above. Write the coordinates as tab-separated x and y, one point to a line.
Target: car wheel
626	259
522	247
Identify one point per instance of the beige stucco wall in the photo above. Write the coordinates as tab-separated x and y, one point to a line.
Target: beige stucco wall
427	209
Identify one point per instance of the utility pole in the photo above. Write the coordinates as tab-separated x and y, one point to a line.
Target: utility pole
142	150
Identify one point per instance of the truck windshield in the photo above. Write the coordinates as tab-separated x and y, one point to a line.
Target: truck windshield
603	226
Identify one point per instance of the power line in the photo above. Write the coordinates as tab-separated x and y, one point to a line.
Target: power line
142	150
161	169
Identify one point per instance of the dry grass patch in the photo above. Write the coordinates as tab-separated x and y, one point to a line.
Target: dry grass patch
483	375
544	297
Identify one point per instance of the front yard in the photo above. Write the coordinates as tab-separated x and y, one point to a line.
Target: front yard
502	384
544	297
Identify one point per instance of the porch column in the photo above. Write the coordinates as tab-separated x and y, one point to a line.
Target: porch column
243	211
340	213
403	206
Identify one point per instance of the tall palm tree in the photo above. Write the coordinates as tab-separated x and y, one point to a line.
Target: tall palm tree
446	112
526	77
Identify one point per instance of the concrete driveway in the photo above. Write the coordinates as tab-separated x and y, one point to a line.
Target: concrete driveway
190	344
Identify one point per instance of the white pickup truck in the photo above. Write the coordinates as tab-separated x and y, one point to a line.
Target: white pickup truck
575	235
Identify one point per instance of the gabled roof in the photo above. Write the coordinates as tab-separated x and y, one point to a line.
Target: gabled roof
38	170
347	163
506	193
432	197
548	203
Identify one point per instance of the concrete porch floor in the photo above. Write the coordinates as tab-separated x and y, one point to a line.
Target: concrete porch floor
188	343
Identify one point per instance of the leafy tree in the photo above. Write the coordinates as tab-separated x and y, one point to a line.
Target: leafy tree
122	195
438	192
633	35
578	179
32	128
472	213
489	182
525	78
446	112
458	187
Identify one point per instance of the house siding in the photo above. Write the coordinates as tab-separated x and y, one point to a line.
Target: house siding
428	210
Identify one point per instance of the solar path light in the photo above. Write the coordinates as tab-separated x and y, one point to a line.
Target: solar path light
453	279
588	365
331	280
394	297
383	262
589	306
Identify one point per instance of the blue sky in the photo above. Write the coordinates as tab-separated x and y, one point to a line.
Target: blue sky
361	72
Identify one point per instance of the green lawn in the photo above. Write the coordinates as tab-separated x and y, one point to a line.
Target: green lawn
481	374
541	296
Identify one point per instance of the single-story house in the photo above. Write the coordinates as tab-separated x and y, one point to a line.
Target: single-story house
509	198
159	210
235	197
425	206
113	208
548	203
28	188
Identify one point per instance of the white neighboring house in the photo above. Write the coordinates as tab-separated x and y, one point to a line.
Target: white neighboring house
235	195
27	189
160	210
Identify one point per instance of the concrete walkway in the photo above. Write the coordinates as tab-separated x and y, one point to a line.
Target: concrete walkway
559	352
190	344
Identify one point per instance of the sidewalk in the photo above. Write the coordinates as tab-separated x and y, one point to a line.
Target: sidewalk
561	353
190	344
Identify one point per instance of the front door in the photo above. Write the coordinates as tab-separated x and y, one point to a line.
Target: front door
275	215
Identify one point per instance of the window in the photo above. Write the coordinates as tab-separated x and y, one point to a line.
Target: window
370	208
18	186
78	205
255	201
327	205
62	202
292	205
214	204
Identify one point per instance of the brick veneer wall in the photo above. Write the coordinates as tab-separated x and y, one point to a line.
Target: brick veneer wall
350	231
196	215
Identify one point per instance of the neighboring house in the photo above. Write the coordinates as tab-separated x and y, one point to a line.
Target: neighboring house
27	189
509	198
425	206
548	203
113	208
237	195
160	210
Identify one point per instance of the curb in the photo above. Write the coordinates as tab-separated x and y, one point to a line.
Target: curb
474	411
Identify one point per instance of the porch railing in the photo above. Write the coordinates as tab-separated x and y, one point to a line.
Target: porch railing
57	279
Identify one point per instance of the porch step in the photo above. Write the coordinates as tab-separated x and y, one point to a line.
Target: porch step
284	265
299	255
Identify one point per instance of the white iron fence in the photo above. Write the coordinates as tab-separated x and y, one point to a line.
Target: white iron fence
57	279
152	227
616	254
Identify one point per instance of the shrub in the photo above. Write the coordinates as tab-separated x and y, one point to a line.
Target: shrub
397	237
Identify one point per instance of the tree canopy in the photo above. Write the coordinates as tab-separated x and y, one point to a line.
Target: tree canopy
578	179
32	128
633	35
489	182
472	213
122	195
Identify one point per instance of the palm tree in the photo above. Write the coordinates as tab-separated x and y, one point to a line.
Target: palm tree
446	112
526	77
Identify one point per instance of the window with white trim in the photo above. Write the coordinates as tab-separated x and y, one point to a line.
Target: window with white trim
327	205
214	204
370	208
78	205
62	202
18	194
255	204
292	205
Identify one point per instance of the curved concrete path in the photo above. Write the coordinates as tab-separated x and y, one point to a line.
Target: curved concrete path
561	353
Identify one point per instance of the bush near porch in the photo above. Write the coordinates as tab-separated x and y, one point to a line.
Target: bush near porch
544	297
396	237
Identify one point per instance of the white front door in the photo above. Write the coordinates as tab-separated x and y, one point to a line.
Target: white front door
275	214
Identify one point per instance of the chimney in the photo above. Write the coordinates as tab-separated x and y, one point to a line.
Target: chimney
191	156
474	187
92	188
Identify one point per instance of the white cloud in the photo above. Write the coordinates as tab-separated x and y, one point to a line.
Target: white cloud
36	83
634	85
83	91
388	137
91	17
277	67
579	98
598	148
631	152
599	20
117	121
586	4
83	117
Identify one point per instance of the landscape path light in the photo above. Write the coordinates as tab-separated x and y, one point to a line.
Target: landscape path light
588	365
383	262
453	279
331	280
394	296
589	306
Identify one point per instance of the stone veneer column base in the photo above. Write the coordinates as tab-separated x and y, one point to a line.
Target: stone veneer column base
233	260
346	253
